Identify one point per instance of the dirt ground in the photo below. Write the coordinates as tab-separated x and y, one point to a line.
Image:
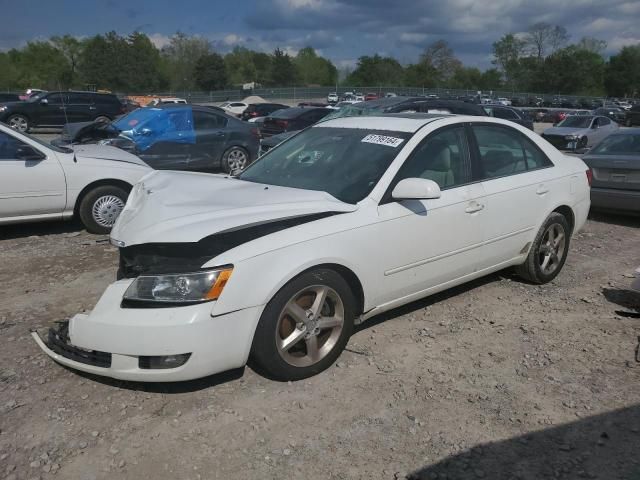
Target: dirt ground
498	379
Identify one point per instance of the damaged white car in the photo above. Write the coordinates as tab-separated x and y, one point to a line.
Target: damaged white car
347	219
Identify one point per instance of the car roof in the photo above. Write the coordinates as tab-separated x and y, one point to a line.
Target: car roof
398	122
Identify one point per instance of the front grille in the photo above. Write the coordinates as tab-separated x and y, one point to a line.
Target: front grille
557	141
58	341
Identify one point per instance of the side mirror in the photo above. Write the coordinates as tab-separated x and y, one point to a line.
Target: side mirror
146	132
416	189
44	101
27	153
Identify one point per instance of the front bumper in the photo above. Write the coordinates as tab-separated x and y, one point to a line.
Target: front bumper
123	335
615	199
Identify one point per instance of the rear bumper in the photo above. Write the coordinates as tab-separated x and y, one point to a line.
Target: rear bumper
615	199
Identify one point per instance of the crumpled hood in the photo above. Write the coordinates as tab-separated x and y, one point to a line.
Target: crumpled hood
105	152
169	207
565	131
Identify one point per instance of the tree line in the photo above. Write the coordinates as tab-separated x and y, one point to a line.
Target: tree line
540	60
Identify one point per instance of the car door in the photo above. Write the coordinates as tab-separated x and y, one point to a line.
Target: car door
211	137
518	184
29	185
426	243
167	142
54	111
79	107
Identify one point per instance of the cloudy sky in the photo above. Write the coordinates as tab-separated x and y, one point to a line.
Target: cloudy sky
342	30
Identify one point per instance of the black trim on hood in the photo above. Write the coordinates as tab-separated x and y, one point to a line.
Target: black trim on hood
165	258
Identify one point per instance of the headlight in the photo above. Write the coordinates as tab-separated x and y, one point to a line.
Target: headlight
571	137
183	288
3	108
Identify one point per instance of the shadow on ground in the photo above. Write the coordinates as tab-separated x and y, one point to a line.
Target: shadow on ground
603	447
40	229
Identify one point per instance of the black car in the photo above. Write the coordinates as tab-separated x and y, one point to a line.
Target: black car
410	104
9	97
291	119
174	137
632	116
509	113
255	110
55	109
616	114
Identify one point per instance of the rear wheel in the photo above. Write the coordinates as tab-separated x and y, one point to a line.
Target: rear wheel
548	251
100	208
305	326
235	160
19	123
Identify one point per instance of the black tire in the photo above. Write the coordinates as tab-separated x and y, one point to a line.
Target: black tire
102	118
265	356
92	198
19	122
532	269
228	159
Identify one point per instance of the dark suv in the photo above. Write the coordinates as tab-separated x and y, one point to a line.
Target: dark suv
255	110
55	109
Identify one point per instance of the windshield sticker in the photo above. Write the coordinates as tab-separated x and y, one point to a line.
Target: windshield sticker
382	140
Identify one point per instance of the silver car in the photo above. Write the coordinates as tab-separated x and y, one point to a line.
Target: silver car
615	163
578	132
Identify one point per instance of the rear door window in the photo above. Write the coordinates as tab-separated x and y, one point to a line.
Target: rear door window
208	121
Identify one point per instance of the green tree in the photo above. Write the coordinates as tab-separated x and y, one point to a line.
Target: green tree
104	62
623	73
376	71
8	73
420	75
71	48
506	56
40	65
181	56
574	70
313	69
283	71
592	44
441	57
240	66
144	71
210	73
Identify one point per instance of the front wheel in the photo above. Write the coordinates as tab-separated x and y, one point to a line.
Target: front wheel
235	160
19	123
103	119
305	326
548	251
100	208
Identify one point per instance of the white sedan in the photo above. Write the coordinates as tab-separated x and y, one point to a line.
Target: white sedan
234	108
341	222
39	181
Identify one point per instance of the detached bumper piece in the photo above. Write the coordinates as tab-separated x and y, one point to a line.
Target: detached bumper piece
58	342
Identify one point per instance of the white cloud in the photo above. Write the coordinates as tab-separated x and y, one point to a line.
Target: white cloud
159	40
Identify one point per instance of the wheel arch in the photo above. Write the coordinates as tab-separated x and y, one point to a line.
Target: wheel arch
110	182
568	213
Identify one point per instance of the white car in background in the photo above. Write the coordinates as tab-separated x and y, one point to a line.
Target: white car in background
333	98
165	101
39	181
348	219
504	101
234	108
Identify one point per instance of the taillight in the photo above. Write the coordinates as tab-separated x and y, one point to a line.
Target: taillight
589	173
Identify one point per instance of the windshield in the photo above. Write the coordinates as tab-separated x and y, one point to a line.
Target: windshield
147	126
576	121
344	162
36	98
626	144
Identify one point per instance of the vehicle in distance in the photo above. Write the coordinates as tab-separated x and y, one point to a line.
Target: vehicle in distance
509	113
616	114
504	101
370	96
234	108
165	101
54	109
256	110
175	137
277	264
333	98
632	116
293	119
577	132
40	181
615	163
408	105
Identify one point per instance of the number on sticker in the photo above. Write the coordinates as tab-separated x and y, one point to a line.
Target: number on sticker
382	140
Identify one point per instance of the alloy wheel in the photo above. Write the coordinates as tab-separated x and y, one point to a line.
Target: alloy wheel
106	209
552	247
309	326
19	123
237	160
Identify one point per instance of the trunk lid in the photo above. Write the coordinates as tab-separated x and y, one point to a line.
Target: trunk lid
615	171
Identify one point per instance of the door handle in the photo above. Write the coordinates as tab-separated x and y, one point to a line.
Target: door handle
542	189
474	207
92	108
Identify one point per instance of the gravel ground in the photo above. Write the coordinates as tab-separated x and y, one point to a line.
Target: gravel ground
497	379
